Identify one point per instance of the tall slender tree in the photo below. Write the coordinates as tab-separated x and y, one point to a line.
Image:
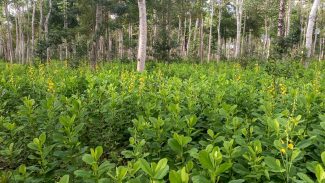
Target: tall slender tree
210	33
10	51
239	16
282	12
142	44
310	27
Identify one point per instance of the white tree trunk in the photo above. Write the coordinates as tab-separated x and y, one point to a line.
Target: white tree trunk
321	50
310	27
65	26
219	31
10	51
195	33
210	33
46	27
142	47
41	18
281	18
288	20
201	49
239	12
33	30
189	36
120	44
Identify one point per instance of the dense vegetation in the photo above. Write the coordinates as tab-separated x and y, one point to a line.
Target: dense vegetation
177	123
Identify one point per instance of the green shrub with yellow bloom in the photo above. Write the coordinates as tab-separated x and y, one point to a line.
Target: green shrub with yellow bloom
176	123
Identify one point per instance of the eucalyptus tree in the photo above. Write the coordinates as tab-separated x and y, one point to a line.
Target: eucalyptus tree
211	25
310	27
239	16
282	11
8	24
142	44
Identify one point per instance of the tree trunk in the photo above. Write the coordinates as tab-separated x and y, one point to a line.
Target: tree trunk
120	44
189	36
33	30
65	26
201	52
94	43
184	38
17	40
239	11
195	33
46	27
266	35
40	19
314	43
310	27
142	47
210	33
281	18
321	49
219	31
10	51
21	39
288	20
243	37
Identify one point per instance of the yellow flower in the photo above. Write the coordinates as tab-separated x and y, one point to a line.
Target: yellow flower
290	146
283	151
50	86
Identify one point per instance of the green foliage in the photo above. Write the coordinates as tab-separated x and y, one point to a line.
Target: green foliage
178	123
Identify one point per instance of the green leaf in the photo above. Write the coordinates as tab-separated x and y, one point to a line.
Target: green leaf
223	167
320	174
200	179
210	133
42	138
295	154
98	152
184	175
79	127
305	177
146	167
104	167
323	157
22	169
121	172
36	141
205	160
82	173
175	146
322	124
103	180
87	158
273	164
237	181
306	143
64	179
174	177
32	146
161	164
161	169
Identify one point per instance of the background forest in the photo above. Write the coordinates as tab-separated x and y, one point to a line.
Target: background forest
194	30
